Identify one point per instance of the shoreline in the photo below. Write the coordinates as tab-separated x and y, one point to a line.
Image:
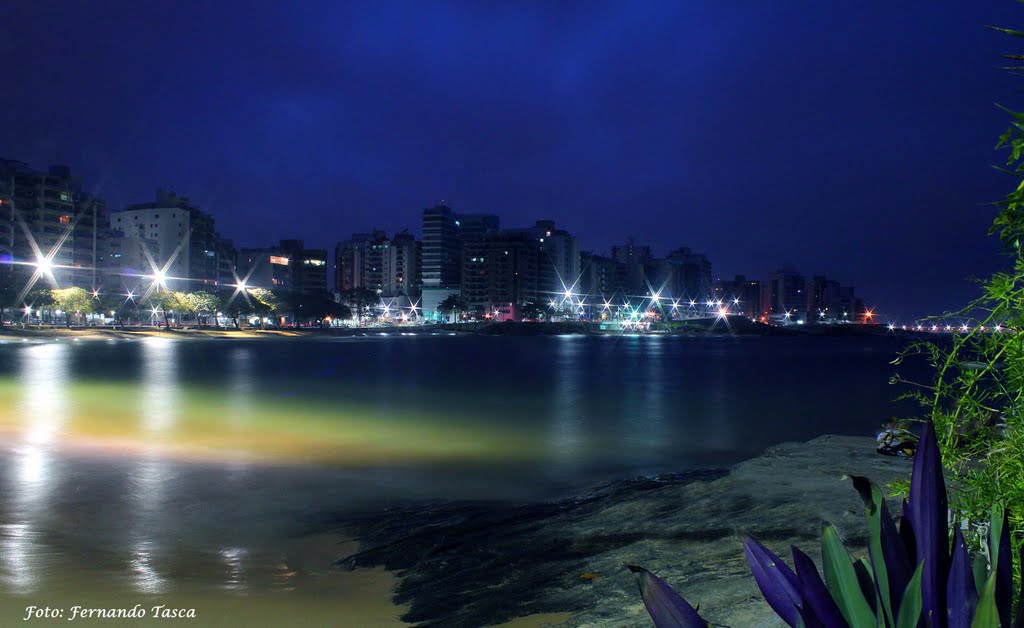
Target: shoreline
482	563
693	329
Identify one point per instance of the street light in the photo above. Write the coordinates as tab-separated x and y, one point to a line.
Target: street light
45	266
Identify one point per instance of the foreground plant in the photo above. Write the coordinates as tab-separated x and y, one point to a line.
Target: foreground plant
911	576
973	395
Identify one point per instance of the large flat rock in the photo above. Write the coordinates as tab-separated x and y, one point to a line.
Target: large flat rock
473	564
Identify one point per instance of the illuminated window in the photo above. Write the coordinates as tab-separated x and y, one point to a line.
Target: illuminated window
65	220
277	259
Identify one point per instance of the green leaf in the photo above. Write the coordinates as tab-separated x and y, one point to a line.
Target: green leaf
910	607
841	580
873	515
1007	31
987	614
980	571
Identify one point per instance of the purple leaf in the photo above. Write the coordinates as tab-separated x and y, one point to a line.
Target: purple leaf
778	584
815	594
667	608
896	561
961	594
907	533
928	517
1018	622
1004	573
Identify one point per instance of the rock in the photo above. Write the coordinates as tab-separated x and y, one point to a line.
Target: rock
473	564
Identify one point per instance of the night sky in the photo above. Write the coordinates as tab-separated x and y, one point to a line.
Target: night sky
846	138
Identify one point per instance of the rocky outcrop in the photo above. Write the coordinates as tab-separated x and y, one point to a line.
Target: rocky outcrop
473	564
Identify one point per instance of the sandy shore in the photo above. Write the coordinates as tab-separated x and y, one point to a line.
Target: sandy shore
471	564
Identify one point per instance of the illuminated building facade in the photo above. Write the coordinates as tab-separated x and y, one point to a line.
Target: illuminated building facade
46	214
388	266
287	266
308	266
188	248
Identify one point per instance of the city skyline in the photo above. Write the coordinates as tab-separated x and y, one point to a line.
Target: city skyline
505	273
748	147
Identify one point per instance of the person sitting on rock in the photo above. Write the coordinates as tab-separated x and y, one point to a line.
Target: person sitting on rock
896	440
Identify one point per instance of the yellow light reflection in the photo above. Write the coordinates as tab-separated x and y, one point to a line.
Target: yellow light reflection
43	410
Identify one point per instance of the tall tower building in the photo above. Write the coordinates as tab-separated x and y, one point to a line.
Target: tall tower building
45	214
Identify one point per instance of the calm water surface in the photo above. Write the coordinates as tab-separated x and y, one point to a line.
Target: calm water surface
197	469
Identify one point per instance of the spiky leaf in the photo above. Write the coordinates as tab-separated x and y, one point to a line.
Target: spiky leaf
841	579
910	602
961	593
929	512
667	608
777	582
1002	562
987	613
815	593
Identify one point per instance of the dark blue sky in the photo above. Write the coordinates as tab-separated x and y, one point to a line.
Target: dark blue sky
847	138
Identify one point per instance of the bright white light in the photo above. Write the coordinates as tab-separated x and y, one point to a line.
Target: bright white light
891	327
710	303
159	277
735	301
45	265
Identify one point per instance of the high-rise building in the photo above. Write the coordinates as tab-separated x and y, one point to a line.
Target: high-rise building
406	258
287	266
388	266
475	227
189	251
269	268
442	248
560	260
350	258
741	296
632	259
682	274
309	267
47	222
829	301
788	292
442	258
597	276
506	269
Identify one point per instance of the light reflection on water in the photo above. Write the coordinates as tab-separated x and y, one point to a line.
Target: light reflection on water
383	421
160	388
43	407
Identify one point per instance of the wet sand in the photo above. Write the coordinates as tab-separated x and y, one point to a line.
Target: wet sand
310	591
